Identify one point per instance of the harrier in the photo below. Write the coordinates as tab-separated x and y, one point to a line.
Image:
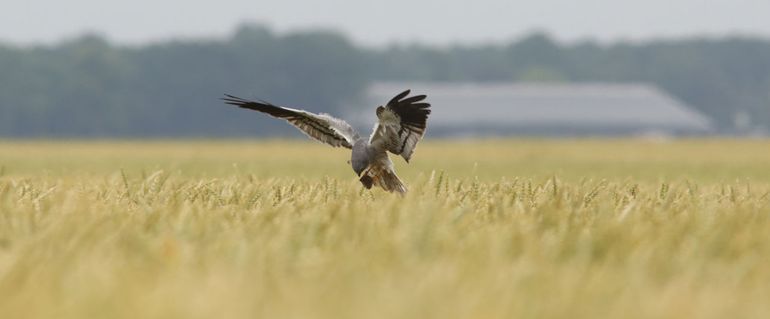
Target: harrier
400	125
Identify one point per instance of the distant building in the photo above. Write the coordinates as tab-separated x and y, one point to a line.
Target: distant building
482	109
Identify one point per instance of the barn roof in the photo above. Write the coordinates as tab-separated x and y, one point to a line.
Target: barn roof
543	108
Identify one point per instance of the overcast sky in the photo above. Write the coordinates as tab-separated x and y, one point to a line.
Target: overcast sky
375	23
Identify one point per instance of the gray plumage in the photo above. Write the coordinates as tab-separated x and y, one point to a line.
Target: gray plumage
401	123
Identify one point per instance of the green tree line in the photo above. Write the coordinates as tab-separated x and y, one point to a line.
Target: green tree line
88	87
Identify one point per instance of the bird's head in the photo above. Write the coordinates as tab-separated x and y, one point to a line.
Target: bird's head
380	109
358	167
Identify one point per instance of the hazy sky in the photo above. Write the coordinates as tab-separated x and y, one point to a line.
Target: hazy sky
379	22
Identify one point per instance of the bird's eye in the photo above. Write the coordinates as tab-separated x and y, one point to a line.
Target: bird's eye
348	161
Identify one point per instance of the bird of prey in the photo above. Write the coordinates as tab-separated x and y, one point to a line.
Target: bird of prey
401	124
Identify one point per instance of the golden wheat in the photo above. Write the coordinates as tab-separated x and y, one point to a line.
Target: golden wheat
492	229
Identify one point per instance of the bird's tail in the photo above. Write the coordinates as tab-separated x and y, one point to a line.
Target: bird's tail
385	178
389	181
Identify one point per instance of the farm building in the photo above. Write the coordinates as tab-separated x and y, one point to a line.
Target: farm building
464	109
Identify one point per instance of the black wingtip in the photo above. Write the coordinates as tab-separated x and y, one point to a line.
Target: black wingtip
414	99
400	96
241	102
231	99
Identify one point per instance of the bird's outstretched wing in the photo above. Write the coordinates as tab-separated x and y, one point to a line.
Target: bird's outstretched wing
321	127
401	124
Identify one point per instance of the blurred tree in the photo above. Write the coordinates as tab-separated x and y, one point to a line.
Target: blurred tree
88	87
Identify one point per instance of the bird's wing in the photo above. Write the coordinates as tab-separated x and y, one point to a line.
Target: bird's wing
321	127
401	124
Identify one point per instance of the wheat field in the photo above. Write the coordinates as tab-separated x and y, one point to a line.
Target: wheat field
281	229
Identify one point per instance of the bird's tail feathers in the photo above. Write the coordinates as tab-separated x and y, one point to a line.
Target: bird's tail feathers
382	177
389	181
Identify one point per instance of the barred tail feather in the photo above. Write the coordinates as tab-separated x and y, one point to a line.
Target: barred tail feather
389	181
386	178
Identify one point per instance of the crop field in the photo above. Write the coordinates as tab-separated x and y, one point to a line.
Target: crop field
618	228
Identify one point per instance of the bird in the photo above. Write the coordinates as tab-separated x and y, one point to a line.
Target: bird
401	124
